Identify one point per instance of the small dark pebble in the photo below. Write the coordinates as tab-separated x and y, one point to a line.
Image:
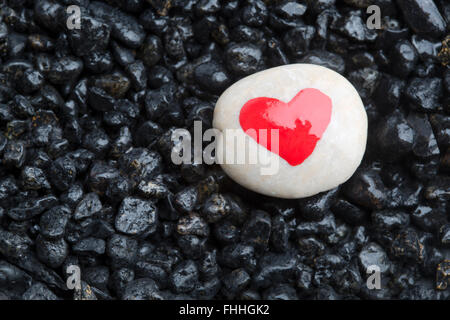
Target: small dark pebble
186	199
395	136
226	232
280	234
193	224
349	212
51	252
443	275
243	59
136	216
212	77
257	229
367	189
122	250
31	207
423	94
298	40
325	59
408	245
438	190
53	222
234	282
423	17
239	255
90	246
314	208
373	254
14	280
88	206
405	57
39	291
280	292
14	154
34	179
184	277
275	268
388	220
142	289
120	278
216	207
63	173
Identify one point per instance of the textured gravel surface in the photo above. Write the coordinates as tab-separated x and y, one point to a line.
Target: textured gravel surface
86	179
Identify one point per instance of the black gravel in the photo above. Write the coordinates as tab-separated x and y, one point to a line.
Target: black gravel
86	178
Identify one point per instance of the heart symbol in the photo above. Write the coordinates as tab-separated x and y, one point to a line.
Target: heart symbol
301	123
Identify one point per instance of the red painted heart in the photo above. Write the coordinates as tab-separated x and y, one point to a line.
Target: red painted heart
301	123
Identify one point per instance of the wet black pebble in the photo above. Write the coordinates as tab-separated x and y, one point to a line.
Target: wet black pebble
13	280
120	278
314	208
257	229
387	93
142	289
367	189
136	217
21	107
423	94
124	27
65	69
89	246
244	59
186	199
193	224
281	292
88	206
372	254
34	179
423	16
151	50
39	291
349	212
255	13
280	234
122	250
425	144
428	219
97	277
140	163
405	57
53	222
14	154
62	173
388	219
52	252
325	59
234	282
31	207
395	137
93	36
184	277
216	207
212	77
275	268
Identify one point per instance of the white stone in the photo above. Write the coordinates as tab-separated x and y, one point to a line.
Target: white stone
337	154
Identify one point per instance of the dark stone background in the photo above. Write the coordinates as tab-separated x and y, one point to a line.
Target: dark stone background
86	179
